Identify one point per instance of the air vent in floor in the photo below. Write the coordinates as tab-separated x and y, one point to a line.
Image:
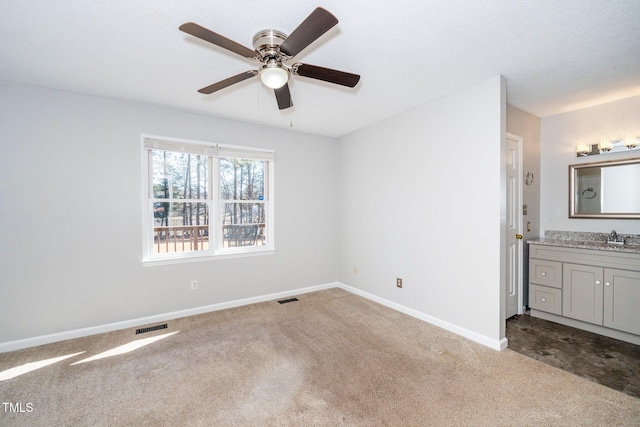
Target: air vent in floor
151	328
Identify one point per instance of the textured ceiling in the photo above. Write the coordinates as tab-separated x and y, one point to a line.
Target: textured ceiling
556	56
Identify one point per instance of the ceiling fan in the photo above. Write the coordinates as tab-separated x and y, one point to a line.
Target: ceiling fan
273	48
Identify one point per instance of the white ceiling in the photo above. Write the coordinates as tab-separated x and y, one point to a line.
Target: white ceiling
556	56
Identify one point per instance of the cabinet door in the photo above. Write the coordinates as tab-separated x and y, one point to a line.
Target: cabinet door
582	294
622	300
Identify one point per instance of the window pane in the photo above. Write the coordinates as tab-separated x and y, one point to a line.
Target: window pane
243	224
242	179
180	175
180	227
243	213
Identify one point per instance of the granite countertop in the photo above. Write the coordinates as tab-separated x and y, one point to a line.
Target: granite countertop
588	240
587	244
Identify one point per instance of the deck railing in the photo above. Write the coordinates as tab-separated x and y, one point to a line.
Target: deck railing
187	238
181	238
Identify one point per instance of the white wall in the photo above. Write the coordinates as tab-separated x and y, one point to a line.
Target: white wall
559	135
70	219
422	197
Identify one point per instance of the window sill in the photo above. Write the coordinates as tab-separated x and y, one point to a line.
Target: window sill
184	260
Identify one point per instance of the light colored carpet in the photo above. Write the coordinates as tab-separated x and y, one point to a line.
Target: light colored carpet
330	359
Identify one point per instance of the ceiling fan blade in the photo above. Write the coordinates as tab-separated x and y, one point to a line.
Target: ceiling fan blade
228	82
283	96
325	74
319	22
208	35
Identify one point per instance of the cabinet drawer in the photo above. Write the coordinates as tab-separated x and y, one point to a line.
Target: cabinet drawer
547	273
544	298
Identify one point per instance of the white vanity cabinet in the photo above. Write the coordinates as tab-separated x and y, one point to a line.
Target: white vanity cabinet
596	290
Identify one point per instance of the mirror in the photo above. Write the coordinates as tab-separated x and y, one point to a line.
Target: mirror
605	189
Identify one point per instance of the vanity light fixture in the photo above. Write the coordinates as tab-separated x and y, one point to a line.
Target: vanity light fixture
607	145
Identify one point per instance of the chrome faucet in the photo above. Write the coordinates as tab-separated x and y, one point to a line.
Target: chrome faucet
613	239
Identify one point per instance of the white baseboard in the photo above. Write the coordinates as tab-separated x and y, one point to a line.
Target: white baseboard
474	336
110	327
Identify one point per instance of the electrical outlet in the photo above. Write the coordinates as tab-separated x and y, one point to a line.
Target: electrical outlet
194	285
355	270
399	282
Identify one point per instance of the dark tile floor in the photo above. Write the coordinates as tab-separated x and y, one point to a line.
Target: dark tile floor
607	361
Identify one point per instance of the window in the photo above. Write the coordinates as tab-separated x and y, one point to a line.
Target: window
203	201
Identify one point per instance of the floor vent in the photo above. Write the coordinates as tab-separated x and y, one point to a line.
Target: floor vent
284	301
151	328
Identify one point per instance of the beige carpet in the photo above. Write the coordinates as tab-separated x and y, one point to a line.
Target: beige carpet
329	359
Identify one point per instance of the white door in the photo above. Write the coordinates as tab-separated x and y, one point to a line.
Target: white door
514	226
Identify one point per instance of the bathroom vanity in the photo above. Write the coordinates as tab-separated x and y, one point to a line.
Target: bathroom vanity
587	284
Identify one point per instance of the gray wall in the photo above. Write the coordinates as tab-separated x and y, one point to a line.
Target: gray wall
421	199
70	214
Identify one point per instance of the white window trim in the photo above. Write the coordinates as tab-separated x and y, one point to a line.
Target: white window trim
215	252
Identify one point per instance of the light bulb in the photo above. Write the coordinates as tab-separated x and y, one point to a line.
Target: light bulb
274	75
605	145
631	142
583	148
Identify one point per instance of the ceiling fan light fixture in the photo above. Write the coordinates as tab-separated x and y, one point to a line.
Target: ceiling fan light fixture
272	48
274	75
